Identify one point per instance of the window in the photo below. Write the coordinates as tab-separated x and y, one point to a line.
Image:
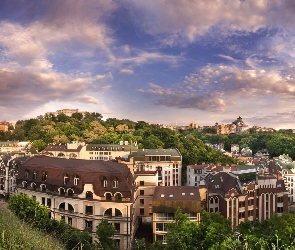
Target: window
280	210
118	197
141	211
43	187
141	192
104	182
108	212
27	173
117	227
108	196
141	202
35	175
33	185
70	208
48	202
89	210
70	221
115	183
89	195
66	178
117	243
76	180
44	176
61	191
280	199
88	225
118	213
62	207
43	201
70	192
141	183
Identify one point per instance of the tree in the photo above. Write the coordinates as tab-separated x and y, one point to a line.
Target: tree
182	233
39	145
27	208
104	232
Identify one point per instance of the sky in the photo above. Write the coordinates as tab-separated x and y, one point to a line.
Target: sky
161	61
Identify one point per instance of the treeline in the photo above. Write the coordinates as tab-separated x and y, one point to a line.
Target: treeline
277	143
91	128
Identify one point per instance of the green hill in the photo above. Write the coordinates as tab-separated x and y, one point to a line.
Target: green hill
16	235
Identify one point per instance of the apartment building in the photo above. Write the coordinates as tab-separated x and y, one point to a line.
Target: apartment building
167	162
80	150
166	201
82	192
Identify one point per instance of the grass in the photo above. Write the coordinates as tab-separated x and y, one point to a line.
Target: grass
16	235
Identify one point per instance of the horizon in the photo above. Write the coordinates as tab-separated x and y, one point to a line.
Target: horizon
158	61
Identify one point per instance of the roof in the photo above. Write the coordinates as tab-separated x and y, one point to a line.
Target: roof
61	148
177	193
170	151
88	171
222	183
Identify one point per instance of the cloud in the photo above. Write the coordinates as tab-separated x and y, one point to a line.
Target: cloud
127	71
228	58
217	88
198	18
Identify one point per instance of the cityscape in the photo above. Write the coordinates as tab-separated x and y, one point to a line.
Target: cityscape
139	189
147	125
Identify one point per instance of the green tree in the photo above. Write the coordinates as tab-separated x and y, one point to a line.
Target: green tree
27	208
104	232
39	145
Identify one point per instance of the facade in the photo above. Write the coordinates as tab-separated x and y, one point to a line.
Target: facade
82	192
15	146
67	112
4	126
167	200
78	150
167	162
240	201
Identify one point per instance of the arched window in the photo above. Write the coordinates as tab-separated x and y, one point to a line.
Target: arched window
89	195
115	183
27	173
33	185
70	192
44	176
216	199
72	155
76	180
118	213
118	197
61	155
43	187
25	184
104	182
108	213
35	175
66	178
108	196
1	187
70	208
61	191
62	207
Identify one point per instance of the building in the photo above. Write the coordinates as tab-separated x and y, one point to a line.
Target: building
240	201
67	112
4	126
166	201
16	147
167	162
82	192
80	150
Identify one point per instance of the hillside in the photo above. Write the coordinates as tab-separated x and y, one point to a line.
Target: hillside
16	235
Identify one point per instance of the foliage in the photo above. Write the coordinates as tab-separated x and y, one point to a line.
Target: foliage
104	232
16	235
33	213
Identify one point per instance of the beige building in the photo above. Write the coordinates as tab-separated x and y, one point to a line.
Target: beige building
166	201
82	192
167	162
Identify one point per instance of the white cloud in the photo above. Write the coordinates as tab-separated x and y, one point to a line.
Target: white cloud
127	71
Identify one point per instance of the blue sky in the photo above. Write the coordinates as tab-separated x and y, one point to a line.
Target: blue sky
176	61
